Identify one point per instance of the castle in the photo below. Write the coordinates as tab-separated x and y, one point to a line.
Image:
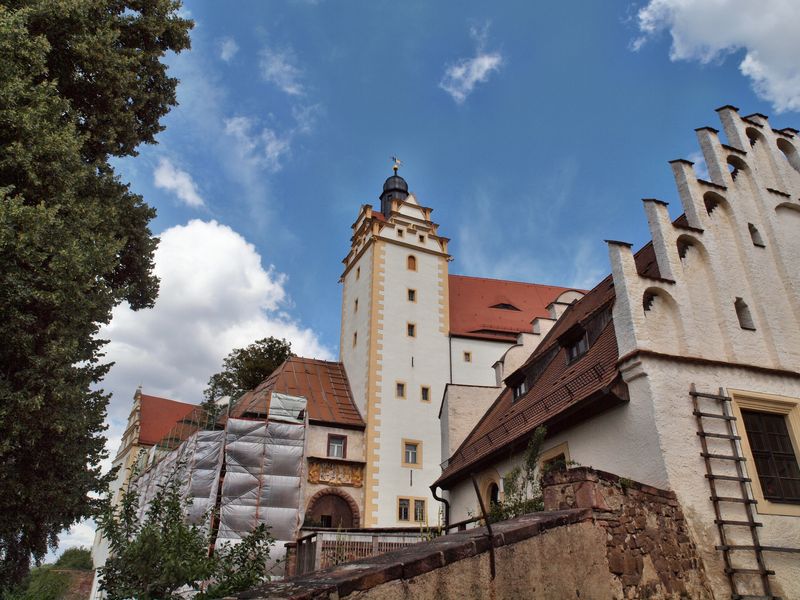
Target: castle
681	369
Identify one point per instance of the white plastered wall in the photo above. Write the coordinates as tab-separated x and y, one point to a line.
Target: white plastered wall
484	353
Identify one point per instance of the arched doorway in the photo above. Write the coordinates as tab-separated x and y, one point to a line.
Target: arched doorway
332	508
494	494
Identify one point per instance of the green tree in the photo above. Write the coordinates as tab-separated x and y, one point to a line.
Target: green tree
80	81
154	558
75	558
245	368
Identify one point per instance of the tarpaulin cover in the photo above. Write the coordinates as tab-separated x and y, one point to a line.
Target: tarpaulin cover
287	408
196	463
262	479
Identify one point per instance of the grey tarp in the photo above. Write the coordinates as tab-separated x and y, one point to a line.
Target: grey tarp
262	479
196	462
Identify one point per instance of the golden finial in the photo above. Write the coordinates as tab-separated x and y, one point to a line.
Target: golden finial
397	162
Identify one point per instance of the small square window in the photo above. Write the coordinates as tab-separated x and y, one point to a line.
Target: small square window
412	295
411	330
399	233
403	505
410	453
400	389
419	510
337	446
467	356
411	263
422	239
425	393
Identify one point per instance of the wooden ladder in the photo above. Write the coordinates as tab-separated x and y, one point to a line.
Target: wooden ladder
741	500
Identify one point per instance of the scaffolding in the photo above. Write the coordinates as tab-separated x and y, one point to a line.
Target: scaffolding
235	472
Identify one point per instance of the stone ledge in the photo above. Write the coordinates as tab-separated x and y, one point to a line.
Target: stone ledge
413	560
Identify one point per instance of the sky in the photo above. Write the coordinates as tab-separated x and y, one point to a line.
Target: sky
533	129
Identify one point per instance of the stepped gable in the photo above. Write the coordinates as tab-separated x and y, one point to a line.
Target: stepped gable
158	415
561	390
496	309
322	383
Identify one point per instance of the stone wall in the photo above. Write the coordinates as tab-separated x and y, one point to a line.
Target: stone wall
649	549
613	538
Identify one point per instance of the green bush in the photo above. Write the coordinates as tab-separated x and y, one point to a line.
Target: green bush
42	583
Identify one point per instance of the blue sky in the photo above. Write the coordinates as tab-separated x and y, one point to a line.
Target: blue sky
532	128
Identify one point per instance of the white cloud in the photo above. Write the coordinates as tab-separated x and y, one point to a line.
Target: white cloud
709	31
461	77
700	167
215	296
168	177
279	67
228	49
264	148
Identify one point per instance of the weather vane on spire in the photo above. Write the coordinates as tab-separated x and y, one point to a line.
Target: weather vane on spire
397	162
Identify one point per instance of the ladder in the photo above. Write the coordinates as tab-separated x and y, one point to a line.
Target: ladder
741	500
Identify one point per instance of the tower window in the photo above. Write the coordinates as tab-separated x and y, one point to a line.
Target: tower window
399	233
412	295
400	389
411	262
422	239
402	509
411	330
355	305
419	510
743	314
412	453
355	338
425	393
467	356
358	272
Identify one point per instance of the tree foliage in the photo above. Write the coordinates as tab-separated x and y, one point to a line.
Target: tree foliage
158	557
245	368
75	558
80	81
522	487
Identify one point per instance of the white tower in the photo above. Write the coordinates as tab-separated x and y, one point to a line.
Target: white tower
394	345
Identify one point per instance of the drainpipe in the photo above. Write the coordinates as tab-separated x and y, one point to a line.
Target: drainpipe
446	506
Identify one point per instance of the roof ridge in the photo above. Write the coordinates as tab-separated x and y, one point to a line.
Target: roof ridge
561	287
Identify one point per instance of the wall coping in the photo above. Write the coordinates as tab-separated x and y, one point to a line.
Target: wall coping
414	560
580	474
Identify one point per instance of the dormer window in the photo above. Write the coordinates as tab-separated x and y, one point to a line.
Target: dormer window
520	389
577	348
505	306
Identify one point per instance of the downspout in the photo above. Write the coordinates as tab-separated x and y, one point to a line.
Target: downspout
446	506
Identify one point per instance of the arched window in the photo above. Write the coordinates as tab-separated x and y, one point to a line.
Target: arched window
494	494
411	262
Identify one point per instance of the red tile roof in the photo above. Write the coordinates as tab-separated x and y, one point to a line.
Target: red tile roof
472	299
158	415
324	384
588	384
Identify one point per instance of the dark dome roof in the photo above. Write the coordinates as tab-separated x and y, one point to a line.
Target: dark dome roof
395	183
